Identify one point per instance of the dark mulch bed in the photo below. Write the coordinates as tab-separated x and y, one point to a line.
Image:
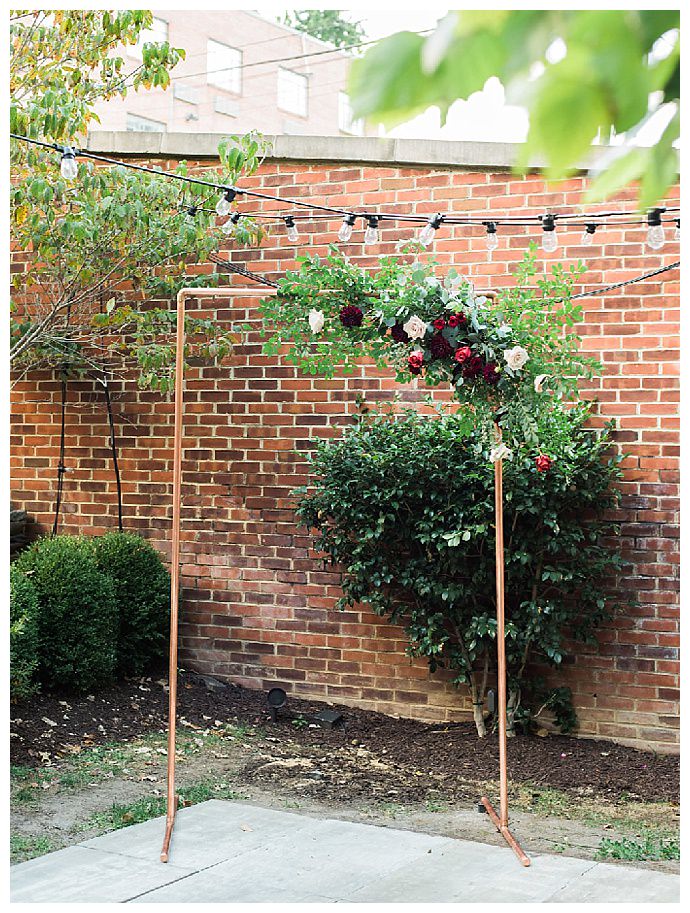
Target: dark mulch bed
48	727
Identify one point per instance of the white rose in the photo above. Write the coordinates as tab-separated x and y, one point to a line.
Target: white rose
316	320
539	383
500	452
415	327
516	357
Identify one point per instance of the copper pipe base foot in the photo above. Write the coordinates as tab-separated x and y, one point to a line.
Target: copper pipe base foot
169	825
505	833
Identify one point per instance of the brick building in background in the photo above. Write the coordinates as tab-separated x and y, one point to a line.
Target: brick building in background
258	606
241	72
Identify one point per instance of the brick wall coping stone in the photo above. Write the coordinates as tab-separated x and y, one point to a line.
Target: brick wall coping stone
365	149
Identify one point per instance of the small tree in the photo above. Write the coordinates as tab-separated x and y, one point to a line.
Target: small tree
404	506
109	239
328	25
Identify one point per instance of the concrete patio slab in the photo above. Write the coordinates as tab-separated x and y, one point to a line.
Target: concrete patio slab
230	852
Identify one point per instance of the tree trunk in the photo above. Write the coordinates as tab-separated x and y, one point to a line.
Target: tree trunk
511	709
478	706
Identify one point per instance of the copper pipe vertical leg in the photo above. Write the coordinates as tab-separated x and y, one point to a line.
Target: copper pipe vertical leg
171	805
501	821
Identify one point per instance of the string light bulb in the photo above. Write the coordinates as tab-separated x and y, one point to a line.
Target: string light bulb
224	203
292	233
345	232
371	235
588	235
426	235
549	241
229	226
68	164
655	230
676	233
491	236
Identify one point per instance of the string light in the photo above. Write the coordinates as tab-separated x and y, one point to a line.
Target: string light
224	203
229	226
68	164
653	218
426	235
655	230
371	235
345	232
292	233
588	235
491	236
549	241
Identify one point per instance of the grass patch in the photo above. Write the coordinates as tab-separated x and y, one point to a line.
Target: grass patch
118	816
649	848
24	848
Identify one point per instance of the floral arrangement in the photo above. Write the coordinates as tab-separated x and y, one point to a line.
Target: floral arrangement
501	354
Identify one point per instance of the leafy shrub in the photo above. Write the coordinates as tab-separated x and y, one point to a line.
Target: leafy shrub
23	636
77	612
141	585
405	505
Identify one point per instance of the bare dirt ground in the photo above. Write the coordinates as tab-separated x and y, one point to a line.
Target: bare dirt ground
85	786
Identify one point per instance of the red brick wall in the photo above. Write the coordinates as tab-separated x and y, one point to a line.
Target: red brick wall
258	608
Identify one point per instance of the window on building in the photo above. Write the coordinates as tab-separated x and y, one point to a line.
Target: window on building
138	124
346	122
292	91
224	66
157	33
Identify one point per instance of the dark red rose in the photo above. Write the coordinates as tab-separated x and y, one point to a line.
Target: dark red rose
351	316
462	354
398	333
440	347
473	367
491	375
543	463
415	362
439	323
457	320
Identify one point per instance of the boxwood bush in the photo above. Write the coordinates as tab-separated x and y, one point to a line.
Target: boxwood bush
85	609
404	505
141	585
23	636
76	614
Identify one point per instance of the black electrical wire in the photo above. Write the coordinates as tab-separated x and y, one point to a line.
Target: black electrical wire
61	470
113	450
610	288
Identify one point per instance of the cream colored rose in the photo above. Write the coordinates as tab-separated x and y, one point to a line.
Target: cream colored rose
516	357
539	383
415	327
500	452
316	320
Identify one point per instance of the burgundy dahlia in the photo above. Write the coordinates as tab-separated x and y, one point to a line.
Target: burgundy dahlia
398	333
351	316
440	347
473	367
491	375
415	362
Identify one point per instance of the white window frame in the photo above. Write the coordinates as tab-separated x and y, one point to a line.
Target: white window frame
346	123
157	33
155	126
219	74
292	80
